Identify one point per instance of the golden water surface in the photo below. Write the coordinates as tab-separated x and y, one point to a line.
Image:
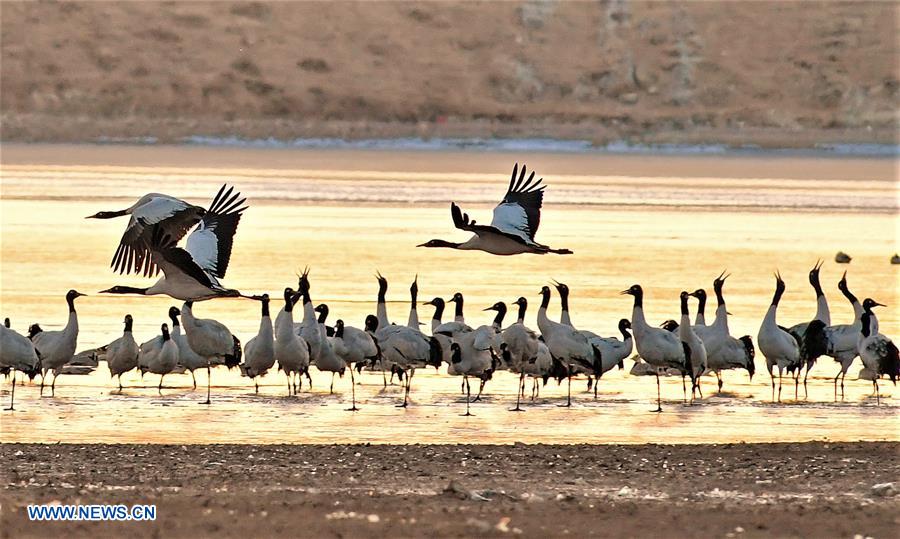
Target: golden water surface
668	223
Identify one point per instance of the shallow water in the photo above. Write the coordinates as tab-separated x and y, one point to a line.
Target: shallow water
669	223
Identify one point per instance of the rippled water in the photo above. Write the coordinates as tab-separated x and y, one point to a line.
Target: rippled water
669	223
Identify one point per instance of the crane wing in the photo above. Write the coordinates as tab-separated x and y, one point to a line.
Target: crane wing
174	217
210	243
519	212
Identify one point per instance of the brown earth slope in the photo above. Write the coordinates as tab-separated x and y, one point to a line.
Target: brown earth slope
779	73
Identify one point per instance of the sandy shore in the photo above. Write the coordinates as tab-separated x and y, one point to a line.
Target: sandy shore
746	490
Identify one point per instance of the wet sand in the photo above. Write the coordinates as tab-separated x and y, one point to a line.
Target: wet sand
734	490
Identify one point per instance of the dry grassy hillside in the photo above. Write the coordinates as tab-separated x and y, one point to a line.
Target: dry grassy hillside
772	73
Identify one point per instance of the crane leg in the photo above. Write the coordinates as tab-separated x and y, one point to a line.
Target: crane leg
353	391
208	383
159	389
805	376
569	391
719	380
658	396
519	391
120	383
12	395
331	389
468	395
877	393
53	385
480	389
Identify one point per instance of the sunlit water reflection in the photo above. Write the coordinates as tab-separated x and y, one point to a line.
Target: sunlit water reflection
668	231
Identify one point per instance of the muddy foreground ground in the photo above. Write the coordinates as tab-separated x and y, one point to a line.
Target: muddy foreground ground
748	490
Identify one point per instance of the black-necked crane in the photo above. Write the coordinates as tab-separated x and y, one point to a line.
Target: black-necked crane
694	349
309	328
823	314
878	353
567	344
211	340
413	320
356	346
777	344
565	318
612	350
56	348
259	353
519	347
839	341
292	352
455	327
190	273
724	352
17	353
156	214
477	357
514	225
122	354
160	360
402	347
659	347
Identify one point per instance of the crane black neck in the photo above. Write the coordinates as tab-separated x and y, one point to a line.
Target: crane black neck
323	313
564	299
817	287
684	304
623	329
165	333
848	294
779	291
523	306
339	330
501	313
545	299
720	298
382	293
639	298
701	309
265	306
438	309
71	302
288	300
866	324
174	318
128	323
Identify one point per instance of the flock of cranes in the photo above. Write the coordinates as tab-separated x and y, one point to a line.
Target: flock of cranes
559	350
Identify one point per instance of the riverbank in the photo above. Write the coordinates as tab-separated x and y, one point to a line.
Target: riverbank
733	490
